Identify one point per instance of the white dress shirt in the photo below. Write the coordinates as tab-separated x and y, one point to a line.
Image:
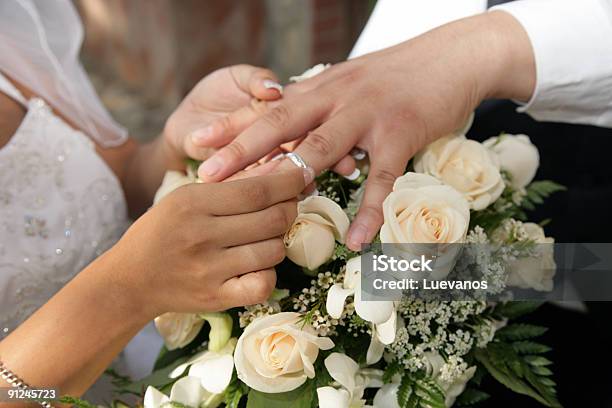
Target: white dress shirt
571	40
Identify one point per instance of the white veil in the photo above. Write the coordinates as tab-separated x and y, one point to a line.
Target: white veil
39	47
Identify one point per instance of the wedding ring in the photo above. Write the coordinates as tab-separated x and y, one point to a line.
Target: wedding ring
297	160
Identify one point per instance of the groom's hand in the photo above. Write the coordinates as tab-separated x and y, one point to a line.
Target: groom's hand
391	104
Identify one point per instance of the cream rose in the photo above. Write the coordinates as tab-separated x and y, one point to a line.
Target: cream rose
517	155
420	209
466	165
276	353
538	270
311	239
173	180
178	329
419	212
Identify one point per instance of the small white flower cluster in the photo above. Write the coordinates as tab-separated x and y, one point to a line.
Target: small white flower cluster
452	369
253	312
449	328
310	300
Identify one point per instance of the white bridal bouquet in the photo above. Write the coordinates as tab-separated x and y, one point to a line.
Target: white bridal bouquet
316	342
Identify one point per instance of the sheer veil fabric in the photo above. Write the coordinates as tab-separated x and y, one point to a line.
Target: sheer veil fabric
39	47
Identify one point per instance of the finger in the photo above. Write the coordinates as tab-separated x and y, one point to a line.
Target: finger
258	82
223	130
253	257
286	121
259	170
256	226
256	193
334	139
347	168
248	289
386	165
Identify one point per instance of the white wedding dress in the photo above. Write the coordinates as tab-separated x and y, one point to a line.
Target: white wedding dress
60	207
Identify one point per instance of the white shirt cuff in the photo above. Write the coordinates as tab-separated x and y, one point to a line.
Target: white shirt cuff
572	44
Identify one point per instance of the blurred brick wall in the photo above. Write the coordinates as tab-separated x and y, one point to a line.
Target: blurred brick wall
146	54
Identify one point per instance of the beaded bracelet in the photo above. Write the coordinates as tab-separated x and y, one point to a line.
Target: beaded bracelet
16	382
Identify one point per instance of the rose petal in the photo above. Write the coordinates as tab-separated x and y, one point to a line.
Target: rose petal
329	210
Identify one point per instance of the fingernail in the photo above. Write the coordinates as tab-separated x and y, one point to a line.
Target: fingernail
269	84
358	154
309	175
211	166
354	175
201	136
357	236
278	157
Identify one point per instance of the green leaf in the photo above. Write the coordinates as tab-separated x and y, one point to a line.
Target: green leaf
301	397
471	396
406	395
76	402
537	361
530	347
515	309
392	369
430	392
234	392
520	331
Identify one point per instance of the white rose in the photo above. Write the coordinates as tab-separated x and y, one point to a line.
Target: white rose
173	180
319	224
464	164
517	155
276	353
537	270
178	329
419	212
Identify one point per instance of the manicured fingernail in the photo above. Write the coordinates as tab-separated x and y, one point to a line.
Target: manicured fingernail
309	175
278	157
357	236
211	166
354	175
269	84
201	136
358	154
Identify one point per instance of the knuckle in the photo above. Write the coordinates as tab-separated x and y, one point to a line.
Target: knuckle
256	192
226	123
279	218
383	176
320	144
372	212
278	117
277	251
262	287
236	150
258	106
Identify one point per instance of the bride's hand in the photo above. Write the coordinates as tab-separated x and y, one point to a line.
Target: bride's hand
209	247
202	122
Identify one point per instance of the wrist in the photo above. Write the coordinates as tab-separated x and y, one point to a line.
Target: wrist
505	58
112	276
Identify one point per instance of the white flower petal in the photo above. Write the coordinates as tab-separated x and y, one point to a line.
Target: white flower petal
375	350
187	391
377	312
386	331
342	369
153	398
336	297
386	396
214	373
329	397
